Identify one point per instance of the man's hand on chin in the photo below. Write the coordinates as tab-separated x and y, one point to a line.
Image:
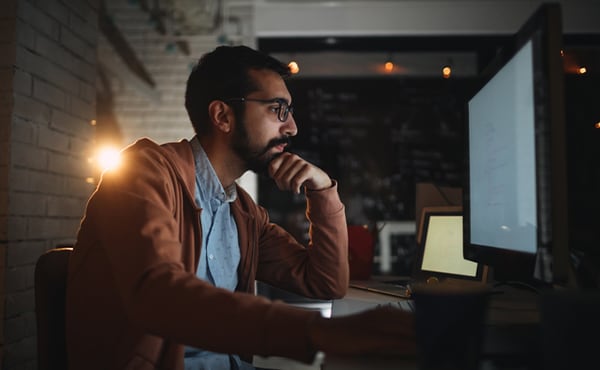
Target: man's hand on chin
290	172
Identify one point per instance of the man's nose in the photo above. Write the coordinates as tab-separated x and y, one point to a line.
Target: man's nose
289	126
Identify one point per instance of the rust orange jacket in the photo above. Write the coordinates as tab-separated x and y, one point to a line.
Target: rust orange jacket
133	298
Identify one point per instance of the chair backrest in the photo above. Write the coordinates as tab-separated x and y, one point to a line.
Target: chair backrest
50	288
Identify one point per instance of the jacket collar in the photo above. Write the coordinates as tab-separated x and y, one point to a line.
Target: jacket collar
180	157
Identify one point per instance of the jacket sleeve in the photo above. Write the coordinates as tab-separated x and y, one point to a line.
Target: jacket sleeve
319	270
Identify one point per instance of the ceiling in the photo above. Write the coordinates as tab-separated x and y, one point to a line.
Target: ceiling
420	55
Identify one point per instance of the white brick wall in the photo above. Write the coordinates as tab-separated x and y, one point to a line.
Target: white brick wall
47	100
161	115
48	71
162	119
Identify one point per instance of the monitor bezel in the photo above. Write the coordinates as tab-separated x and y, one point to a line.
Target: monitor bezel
549	263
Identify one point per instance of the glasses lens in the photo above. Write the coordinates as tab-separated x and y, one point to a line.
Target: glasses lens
284	111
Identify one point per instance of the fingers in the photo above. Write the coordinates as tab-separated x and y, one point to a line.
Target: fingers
290	172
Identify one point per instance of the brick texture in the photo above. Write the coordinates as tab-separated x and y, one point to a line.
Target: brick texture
165	119
7	58
160	115
47	100
50	53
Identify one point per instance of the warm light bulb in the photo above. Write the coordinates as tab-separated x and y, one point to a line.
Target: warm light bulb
582	70
389	66
108	158
597	125
446	71
293	67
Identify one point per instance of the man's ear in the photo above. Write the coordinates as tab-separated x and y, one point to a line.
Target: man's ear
221	115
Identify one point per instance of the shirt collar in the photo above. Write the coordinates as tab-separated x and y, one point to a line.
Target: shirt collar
206	178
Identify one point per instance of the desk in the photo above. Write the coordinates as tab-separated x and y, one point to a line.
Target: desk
511	334
355	301
511	331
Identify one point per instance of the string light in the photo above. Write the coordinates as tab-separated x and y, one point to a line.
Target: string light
582	70
388	66
446	71
293	66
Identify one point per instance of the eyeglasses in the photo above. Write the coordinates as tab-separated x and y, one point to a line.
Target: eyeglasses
283	109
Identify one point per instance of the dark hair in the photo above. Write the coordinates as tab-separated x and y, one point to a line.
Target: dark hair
223	74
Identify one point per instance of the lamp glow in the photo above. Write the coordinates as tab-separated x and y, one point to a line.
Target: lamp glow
108	158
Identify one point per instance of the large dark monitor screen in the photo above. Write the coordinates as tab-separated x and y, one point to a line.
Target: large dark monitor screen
515	196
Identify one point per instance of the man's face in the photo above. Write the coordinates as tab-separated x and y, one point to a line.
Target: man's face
259	136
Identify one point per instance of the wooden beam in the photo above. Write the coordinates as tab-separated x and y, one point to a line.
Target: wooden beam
122	47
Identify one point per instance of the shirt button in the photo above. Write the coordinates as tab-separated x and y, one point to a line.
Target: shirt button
211	256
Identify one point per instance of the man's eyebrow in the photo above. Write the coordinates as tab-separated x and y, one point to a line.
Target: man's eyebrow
277	99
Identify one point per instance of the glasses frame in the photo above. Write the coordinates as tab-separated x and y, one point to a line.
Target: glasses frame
283	110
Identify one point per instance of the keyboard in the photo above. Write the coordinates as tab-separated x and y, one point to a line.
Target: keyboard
403	304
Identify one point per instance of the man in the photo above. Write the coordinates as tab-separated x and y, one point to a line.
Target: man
163	271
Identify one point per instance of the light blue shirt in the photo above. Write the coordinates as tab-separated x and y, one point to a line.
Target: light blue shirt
220	252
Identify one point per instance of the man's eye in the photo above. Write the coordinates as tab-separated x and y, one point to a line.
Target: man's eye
275	108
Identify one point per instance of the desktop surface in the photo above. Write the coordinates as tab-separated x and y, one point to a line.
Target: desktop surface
358	300
511	330
511	340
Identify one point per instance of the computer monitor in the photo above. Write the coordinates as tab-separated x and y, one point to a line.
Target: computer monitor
440	250
515	193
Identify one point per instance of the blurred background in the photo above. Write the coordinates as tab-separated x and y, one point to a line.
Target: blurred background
379	95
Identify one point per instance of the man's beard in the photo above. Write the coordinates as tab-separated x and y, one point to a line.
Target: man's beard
256	160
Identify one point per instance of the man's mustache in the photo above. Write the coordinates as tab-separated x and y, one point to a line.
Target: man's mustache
278	141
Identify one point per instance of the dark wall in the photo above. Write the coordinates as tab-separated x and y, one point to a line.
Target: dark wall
583	112
377	137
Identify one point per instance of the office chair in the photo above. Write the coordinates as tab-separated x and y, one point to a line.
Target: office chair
50	281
